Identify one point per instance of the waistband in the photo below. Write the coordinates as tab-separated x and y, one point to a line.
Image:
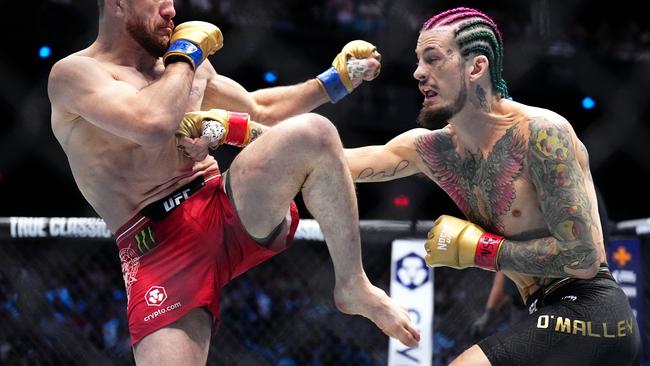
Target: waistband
162	208
538	296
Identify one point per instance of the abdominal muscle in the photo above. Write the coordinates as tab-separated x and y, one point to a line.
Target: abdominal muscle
119	178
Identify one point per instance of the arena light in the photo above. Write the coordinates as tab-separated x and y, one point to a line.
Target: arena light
270	77
588	103
401	201
44	52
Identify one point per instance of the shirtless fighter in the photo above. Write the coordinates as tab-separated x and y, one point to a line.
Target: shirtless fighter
521	177
184	230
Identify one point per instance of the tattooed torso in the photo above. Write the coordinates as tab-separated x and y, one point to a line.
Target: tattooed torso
495	190
490	188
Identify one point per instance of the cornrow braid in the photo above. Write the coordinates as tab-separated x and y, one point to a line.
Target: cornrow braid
477	33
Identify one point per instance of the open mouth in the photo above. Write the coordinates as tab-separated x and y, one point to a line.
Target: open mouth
429	93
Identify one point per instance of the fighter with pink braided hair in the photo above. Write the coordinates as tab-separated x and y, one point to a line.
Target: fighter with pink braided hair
476	34
521	178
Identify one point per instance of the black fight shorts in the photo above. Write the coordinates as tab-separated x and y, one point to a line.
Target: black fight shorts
583	322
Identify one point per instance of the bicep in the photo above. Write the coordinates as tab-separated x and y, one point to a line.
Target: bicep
560	182
86	90
394	160
224	93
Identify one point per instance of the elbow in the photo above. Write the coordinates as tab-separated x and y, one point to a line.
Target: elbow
590	270
266	116
589	266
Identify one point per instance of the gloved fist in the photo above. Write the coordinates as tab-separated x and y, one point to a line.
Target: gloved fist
218	125
349	68
193	42
457	243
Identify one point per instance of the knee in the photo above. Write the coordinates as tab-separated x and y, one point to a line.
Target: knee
317	134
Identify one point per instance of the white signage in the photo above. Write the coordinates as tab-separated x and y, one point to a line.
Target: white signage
412	286
65	227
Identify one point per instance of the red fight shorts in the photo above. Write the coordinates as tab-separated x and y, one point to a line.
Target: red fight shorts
181	255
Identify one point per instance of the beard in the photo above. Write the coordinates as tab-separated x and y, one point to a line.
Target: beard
433	117
154	45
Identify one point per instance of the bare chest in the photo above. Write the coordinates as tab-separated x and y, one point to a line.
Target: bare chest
492	189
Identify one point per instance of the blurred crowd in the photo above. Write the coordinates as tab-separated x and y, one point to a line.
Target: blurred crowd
612	32
64	303
54	311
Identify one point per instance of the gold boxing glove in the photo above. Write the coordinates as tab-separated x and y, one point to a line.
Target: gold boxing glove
348	66
220	126
193	42
458	243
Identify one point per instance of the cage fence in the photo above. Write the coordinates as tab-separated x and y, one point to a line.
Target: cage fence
63	302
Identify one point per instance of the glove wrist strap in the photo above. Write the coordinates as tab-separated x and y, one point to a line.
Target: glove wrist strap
186	49
487	251
331	81
238	134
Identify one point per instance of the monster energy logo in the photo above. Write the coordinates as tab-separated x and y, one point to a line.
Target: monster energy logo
145	240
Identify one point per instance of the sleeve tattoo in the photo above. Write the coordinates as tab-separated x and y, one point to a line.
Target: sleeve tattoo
565	204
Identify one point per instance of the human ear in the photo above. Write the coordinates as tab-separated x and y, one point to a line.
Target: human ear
480	66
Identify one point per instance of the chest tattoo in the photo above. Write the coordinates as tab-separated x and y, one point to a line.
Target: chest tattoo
483	188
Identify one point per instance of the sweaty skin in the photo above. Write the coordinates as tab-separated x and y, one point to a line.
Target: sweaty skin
510	187
115	111
528	180
120	160
116	175
515	170
119	176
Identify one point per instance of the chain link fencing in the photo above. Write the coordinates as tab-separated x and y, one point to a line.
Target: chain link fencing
63	302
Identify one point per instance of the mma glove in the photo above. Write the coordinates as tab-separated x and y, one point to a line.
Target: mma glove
220	126
348	69
457	243
193	42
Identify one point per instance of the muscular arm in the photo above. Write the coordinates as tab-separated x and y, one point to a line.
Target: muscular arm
566	206
149	116
196	148
267	106
397	159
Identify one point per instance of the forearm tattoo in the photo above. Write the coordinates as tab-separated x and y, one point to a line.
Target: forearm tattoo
565	204
369	174
482	187
255	133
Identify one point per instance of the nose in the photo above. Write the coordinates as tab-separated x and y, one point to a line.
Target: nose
419	73
167	10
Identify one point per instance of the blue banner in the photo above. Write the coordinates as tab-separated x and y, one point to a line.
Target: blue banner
625	262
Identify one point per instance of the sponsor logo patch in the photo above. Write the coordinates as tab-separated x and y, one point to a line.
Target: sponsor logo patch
412	271
155	296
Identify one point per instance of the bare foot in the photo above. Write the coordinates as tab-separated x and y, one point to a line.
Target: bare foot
360	297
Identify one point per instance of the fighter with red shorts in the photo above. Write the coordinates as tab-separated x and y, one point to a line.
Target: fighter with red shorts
183	249
116	107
